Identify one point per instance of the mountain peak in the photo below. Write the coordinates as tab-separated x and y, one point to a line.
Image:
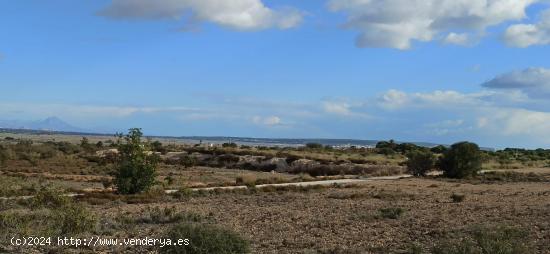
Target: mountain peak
53	123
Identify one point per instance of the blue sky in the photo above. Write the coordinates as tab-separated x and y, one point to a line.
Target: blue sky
369	69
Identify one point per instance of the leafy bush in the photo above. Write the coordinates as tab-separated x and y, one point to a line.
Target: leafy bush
48	197
248	180
156	146
314	146
135	167
461	160
187	160
85	144
231	145
51	214
438	149
391	213
457	198
75	219
420	162
205	238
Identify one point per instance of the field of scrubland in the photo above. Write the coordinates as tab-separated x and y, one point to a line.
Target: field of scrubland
66	187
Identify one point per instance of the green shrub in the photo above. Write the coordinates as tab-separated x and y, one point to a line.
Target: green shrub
187	160
3	155
75	219
205	238
438	149
230	145
135	167
48	197
487	240
51	214
461	160
314	146
247	179
457	198
420	162
391	213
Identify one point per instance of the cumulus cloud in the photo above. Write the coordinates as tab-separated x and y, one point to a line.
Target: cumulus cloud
521	121
235	14
485	114
533	81
396	23
525	35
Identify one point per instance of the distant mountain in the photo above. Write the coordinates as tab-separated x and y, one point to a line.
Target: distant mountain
48	124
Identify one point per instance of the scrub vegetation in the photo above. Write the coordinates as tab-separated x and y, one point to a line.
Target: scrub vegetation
460	198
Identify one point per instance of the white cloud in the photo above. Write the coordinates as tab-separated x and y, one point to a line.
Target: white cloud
339	108
500	116
457	39
395	99
89	110
525	35
533	81
396	23
267	121
235	14
520	121
445	127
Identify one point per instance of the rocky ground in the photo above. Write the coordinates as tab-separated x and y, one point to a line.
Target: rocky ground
348	220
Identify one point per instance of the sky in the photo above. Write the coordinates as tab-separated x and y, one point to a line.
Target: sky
439	71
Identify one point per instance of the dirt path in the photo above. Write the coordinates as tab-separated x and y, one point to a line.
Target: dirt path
299	184
304	184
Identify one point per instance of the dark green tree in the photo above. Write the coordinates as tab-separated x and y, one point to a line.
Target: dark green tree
420	162
438	149
136	166
158	147
85	143
461	160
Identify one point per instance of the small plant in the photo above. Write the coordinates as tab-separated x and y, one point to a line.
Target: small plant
414	249
183	193
169	180
106	182
47	197
248	180
187	161
205	238
229	145
457	198
314	146
391	213
51	213
481	240
75	219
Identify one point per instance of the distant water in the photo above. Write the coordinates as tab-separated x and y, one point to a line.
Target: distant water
286	142
281	142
